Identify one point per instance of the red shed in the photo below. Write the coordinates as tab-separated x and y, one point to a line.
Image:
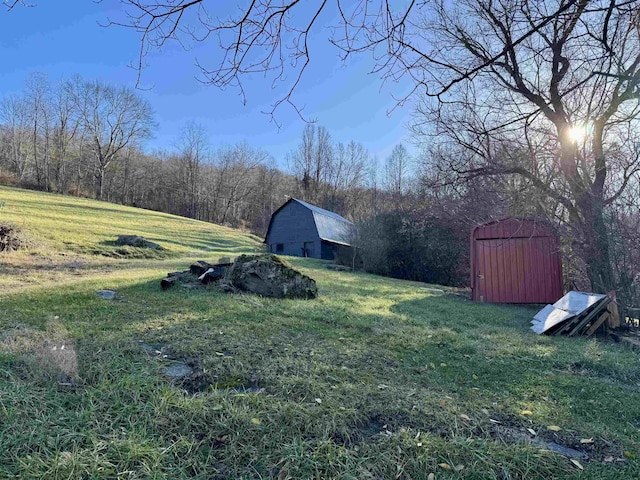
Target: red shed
515	261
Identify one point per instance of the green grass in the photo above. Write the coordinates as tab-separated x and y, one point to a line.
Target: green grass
59	222
375	379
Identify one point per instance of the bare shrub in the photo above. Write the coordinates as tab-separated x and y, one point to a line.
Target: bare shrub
77	191
11	237
8	178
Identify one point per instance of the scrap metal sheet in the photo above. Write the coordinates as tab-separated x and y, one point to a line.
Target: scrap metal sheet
548	318
577	302
571	305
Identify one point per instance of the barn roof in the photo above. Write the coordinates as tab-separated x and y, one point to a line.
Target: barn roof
331	226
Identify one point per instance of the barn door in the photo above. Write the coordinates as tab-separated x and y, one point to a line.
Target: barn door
517	270
308	250
500	273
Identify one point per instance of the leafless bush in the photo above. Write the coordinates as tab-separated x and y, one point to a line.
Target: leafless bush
8	178
11	237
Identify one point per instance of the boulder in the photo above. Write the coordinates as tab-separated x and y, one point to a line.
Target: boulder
137	241
106	294
268	276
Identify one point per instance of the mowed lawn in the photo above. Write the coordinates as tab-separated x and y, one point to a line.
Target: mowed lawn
375	379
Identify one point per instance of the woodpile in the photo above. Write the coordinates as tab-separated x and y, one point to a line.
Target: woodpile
578	313
200	272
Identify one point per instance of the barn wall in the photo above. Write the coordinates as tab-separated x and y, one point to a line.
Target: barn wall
292	226
515	261
329	251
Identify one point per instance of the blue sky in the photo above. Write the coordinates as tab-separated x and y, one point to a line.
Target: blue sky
62	38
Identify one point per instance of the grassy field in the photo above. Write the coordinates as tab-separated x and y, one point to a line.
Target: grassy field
375	379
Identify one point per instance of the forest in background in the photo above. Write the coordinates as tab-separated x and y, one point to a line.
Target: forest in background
86	138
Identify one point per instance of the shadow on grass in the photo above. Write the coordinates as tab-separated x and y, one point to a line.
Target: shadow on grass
214	244
109	248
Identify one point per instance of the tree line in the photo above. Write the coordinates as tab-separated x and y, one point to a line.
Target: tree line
85	138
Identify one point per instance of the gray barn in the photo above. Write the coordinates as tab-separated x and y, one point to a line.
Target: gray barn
303	230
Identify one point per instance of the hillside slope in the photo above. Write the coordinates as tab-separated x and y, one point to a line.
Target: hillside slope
62	222
74	238
375	379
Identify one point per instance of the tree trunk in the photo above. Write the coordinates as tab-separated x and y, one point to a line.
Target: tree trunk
596	246
100	181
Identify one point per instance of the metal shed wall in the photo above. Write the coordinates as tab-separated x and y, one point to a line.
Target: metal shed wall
515	261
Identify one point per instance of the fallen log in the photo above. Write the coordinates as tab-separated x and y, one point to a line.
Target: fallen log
213	274
177	274
199	267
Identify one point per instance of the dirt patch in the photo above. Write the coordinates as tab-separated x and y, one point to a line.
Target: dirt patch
187	373
567	443
12	237
379	425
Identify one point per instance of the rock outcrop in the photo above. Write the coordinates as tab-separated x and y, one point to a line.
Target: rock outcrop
268	276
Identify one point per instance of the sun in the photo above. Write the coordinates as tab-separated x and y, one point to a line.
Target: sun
577	133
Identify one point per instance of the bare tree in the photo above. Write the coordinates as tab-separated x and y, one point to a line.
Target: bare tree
236	166
397	169
112	119
13	114
346	176
39	107
556	104
511	82
311	162
64	131
193	151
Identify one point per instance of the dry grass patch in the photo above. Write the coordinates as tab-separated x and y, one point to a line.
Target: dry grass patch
49	354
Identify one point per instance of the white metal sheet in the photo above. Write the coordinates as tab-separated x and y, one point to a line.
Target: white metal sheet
548	318
571	305
577	302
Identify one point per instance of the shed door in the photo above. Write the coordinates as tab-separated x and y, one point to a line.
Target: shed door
308	250
518	270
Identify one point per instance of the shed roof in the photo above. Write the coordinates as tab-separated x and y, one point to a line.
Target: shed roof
331	226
